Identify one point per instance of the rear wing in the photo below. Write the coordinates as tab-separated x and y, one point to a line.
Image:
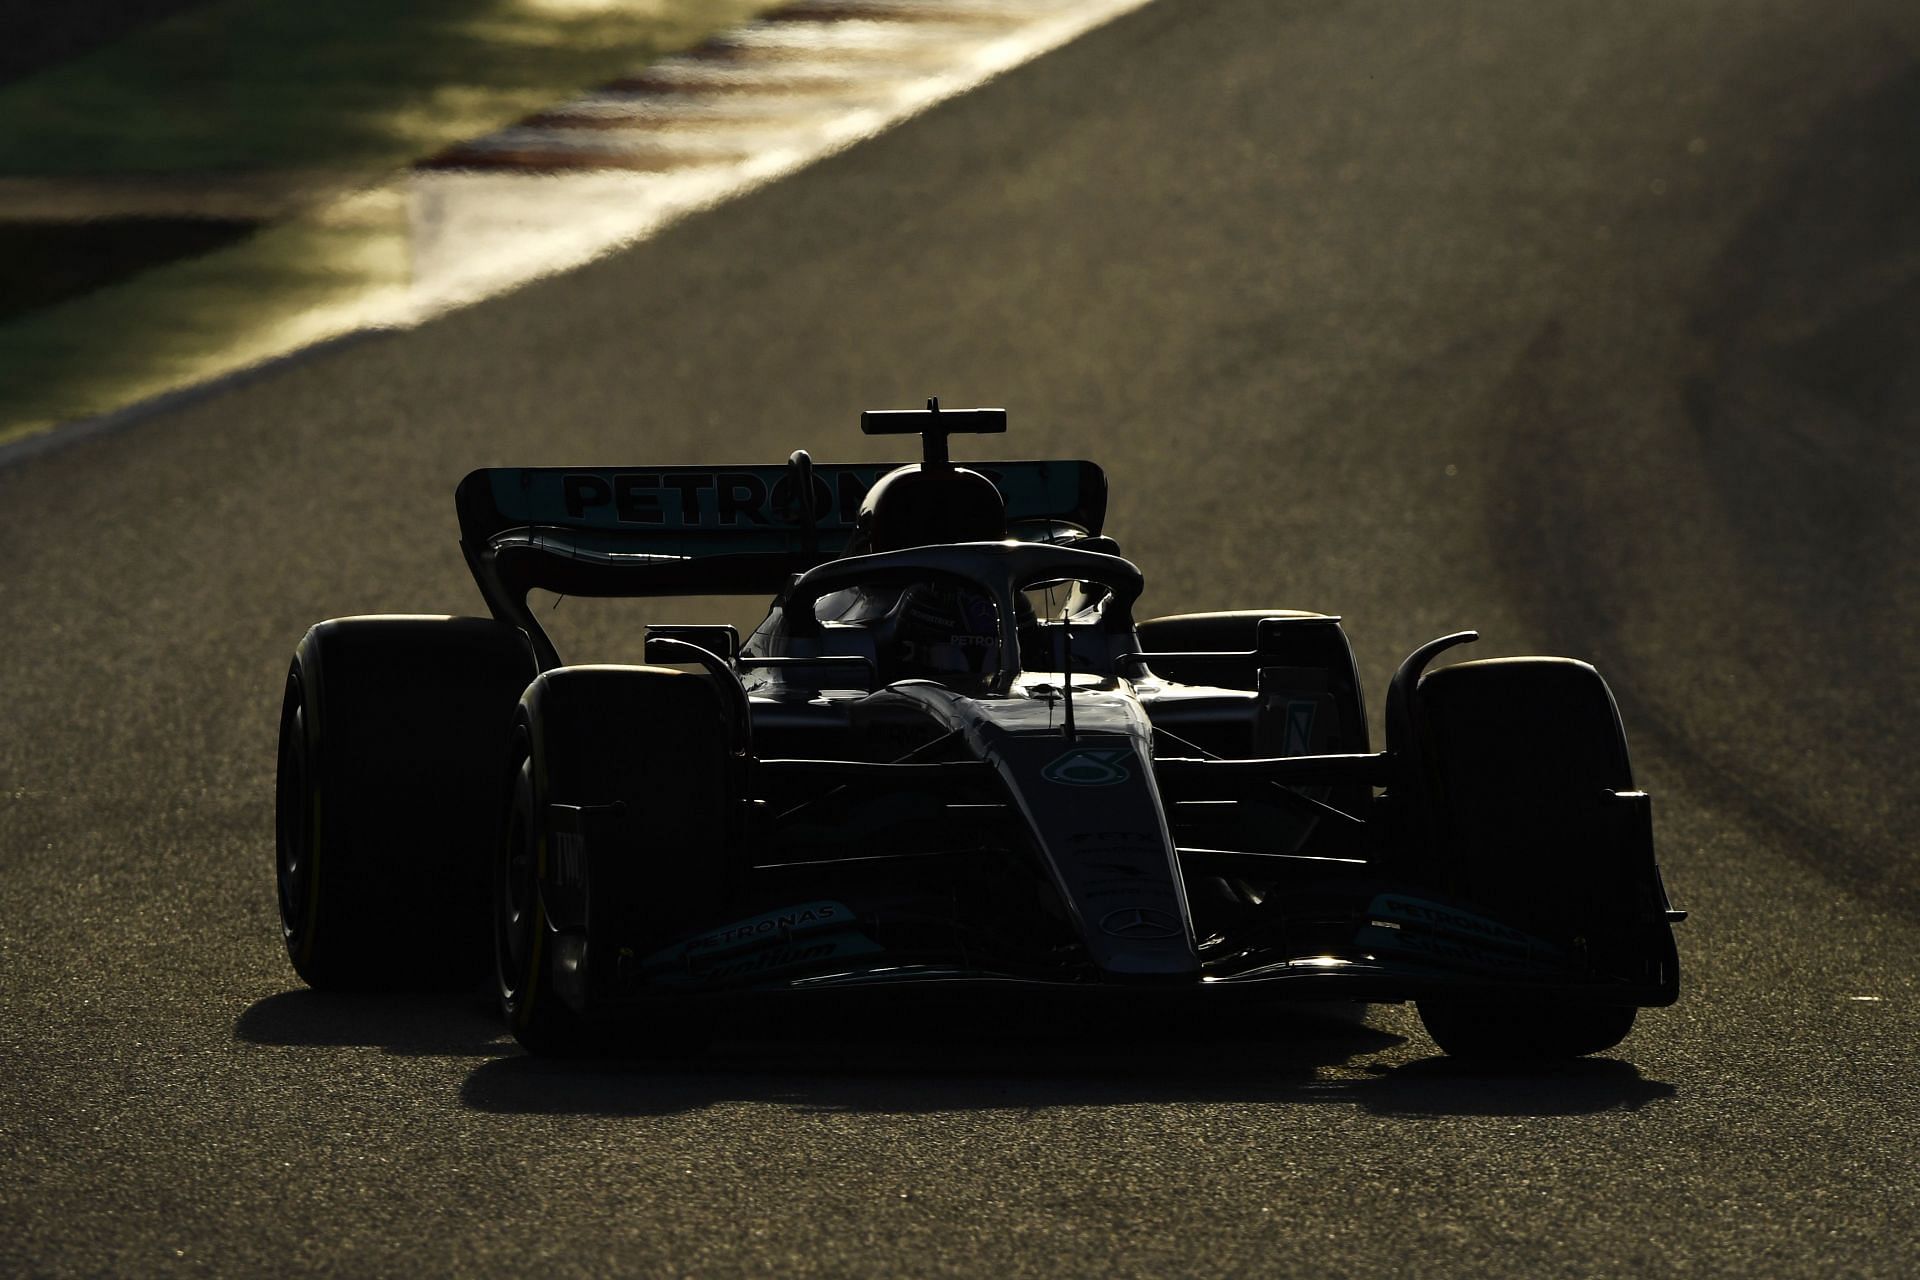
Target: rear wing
646	531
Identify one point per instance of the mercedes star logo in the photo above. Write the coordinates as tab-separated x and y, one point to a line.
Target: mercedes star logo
1141	923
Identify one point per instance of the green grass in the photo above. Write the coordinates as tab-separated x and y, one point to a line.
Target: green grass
283	287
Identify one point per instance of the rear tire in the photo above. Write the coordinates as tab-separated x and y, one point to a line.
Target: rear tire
1522	753
1238	631
616	844
393	741
1310	701
1313	662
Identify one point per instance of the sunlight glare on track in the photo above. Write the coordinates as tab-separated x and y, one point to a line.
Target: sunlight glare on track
561	186
613	166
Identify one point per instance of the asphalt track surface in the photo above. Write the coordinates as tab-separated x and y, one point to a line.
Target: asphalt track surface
1590	326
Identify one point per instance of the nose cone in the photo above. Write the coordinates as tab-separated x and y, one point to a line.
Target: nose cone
1095	813
1093	808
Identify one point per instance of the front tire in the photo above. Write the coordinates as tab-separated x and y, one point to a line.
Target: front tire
1509	1033
617	842
540	1018
1525	756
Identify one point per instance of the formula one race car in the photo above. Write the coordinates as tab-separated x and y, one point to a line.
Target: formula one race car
949	758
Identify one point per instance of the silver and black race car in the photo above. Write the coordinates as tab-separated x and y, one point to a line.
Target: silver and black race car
950	758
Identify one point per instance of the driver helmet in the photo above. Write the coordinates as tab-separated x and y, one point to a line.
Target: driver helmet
915	507
944	630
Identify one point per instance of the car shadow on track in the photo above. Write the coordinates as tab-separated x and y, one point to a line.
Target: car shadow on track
464	1025
946	1061
1290	1059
